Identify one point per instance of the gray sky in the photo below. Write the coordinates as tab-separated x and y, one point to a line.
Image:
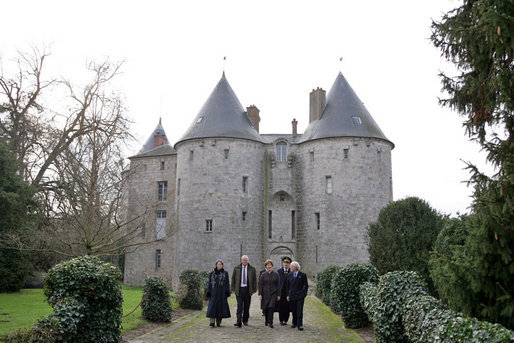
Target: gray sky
277	52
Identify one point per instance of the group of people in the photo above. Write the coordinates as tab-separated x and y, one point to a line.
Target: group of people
281	291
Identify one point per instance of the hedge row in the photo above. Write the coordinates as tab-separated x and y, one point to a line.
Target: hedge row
324	283
402	311
156	303
344	293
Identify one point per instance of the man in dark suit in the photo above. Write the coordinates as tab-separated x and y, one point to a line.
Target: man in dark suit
283	304
298	286
244	284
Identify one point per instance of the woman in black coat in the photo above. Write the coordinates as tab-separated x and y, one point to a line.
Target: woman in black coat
269	292
218	290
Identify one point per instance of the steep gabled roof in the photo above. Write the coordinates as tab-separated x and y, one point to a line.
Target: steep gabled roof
222	115
344	115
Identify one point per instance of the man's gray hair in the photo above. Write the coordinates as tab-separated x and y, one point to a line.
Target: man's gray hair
295	265
244	256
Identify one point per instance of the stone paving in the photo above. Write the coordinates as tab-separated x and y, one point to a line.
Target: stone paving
320	325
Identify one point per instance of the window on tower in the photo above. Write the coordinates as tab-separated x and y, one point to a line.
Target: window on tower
281	152
162	190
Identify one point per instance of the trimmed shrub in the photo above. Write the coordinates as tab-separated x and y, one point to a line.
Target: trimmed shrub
426	319
324	282
368	296
204	276
344	293
393	289
190	290
156	304
87	300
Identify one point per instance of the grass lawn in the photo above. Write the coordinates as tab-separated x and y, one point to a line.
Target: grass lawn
22	309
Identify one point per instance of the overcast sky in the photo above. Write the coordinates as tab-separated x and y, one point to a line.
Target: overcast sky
277	52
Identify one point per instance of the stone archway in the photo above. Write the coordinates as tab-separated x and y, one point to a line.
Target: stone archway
277	253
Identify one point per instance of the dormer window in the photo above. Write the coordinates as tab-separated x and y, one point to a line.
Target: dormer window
199	120
281	152
357	120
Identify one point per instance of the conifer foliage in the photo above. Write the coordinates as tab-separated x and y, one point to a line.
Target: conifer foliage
478	38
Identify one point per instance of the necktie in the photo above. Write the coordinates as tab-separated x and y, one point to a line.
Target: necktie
244	275
295	274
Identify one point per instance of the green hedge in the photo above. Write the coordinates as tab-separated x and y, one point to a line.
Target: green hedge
324	282
368	297
190	290
156	304
427	320
402	311
344	293
86	296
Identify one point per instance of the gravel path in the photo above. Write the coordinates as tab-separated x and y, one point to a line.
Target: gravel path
320	325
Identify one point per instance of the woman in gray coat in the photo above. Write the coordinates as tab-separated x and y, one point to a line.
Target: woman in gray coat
269	292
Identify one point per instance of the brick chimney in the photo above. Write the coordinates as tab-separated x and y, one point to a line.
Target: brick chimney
159	139
295	126
318	99
253	115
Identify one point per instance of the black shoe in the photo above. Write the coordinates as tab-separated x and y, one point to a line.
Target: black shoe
211	324
218	324
271	326
266	323
245	324
238	325
293	326
300	328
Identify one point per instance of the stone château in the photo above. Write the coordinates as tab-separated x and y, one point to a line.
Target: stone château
224	189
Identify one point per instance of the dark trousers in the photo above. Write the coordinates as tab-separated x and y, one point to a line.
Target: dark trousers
297	309
284	309
268	313
243	305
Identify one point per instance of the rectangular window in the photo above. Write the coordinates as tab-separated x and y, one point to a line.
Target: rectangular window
270	222
345	153
160	225
379	156
317	220
191	154
226	153
311	153
157	258
281	152
143	230
328	184
243	216
208	225
357	120
245	184
293	224
178	186
162	190
162	165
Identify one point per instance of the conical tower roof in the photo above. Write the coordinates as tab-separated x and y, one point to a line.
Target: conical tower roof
155	140
344	115
222	115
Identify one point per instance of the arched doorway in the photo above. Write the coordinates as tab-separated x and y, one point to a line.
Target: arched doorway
277	253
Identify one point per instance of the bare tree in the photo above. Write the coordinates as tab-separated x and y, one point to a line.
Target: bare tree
71	150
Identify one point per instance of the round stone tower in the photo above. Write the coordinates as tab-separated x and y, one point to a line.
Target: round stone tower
345	170
219	185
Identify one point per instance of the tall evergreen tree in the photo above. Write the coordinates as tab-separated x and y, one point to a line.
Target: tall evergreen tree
478	38
15	207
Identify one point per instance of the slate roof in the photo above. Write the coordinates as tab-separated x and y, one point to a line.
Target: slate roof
344	115
149	145
149	149
222	115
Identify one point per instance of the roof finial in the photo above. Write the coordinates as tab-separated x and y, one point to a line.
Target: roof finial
340	64
224	59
